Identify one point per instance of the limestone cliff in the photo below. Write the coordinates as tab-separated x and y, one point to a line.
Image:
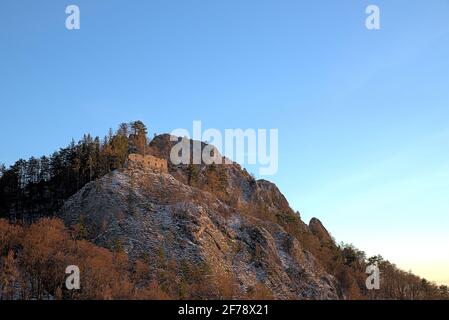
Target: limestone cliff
243	229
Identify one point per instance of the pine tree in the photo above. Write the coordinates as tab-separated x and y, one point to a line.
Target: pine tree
120	147
138	138
192	174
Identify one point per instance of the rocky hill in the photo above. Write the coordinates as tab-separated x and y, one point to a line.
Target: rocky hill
233	224
140	227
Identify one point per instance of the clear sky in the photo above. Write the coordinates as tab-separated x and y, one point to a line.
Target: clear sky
363	116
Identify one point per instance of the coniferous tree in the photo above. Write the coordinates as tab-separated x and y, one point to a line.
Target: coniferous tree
138	138
192	174
39	186
120	147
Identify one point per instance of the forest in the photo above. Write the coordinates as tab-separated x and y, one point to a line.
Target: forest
37	187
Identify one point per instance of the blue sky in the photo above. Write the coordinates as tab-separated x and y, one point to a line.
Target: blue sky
362	115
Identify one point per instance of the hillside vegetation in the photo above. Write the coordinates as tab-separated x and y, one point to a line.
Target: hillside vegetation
198	232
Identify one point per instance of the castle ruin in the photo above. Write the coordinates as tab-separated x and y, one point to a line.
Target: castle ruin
147	162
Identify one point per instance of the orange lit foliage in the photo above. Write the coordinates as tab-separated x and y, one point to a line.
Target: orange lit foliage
33	260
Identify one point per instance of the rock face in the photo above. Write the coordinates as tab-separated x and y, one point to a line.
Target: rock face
149	212
317	228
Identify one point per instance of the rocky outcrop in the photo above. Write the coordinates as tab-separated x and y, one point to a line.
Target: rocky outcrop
149	212
317	228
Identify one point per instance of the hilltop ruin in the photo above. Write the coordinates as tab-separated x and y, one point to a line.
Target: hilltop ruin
147	162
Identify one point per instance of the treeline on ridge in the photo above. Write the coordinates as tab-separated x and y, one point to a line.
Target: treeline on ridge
37	187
